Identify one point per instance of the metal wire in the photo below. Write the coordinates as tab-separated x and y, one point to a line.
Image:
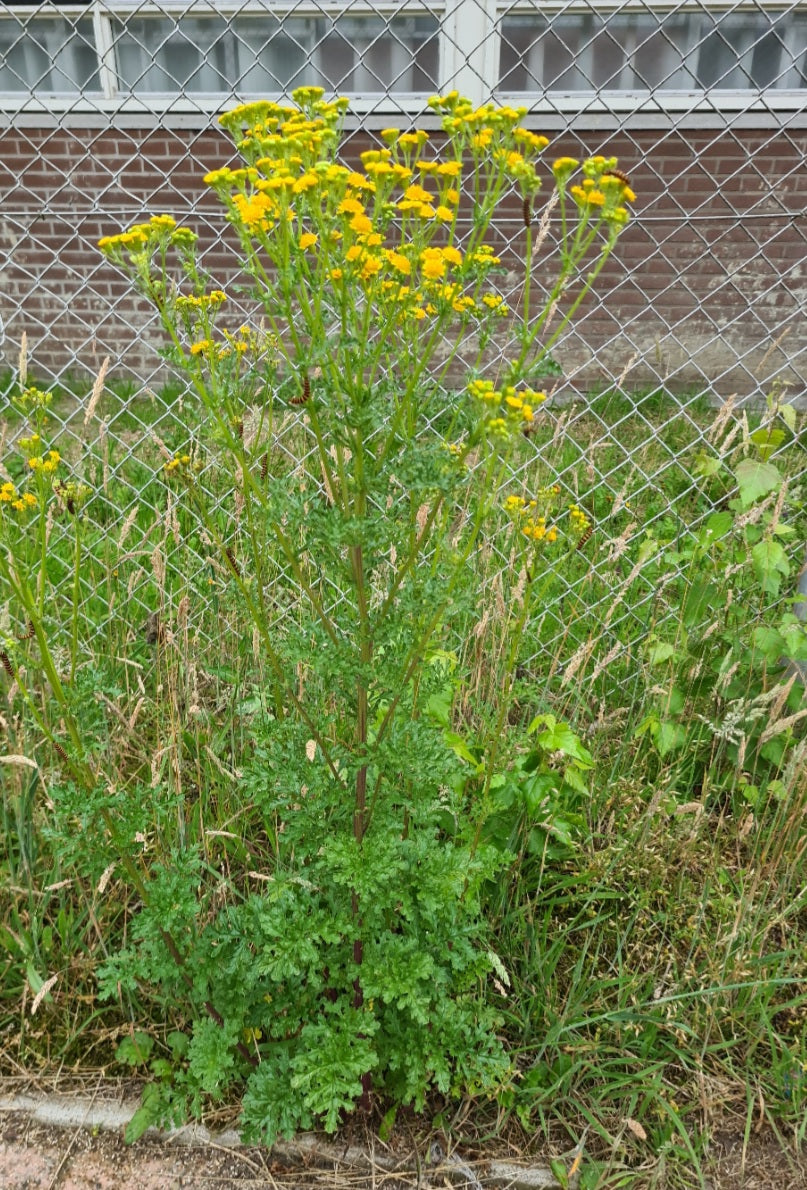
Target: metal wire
108	111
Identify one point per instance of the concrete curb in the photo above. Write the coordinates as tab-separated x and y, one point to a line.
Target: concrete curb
63	1111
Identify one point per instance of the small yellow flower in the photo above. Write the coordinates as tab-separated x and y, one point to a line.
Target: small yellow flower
514	504
350	206
361	225
399	262
307	240
416	194
433	267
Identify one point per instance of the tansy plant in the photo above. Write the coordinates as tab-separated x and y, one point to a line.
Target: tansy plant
34	492
357	960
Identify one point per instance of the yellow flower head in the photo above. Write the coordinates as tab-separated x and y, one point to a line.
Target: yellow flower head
563	167
399	262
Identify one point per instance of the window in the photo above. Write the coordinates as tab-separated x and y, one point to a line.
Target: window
270	53
642	49
50	54
208	51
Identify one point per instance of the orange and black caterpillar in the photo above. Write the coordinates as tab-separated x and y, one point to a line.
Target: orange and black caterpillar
231	559
29	634
527	211
264	466
305	395
5	661
617	173
60	752
585	537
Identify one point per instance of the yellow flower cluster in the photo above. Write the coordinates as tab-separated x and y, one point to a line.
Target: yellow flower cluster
193	303
237	343
34	398
20	503
530	519
46	465
517	405
604	188
578	521
176	462
494	130
536	530
144	238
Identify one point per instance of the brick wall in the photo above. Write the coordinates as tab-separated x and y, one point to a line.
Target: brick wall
707	288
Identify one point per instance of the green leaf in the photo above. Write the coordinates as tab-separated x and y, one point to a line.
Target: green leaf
788	415
660	652
140	1122
558	1168
706	465
559	737
178	1043
35	980
769	642
574	778
387	1125
716	527
668	737
771	564
755	479
459	747
767	438
700	599
135	1049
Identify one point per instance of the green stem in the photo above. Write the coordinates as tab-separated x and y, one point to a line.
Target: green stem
76	594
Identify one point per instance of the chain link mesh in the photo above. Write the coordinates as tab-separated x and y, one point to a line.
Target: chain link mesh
109	113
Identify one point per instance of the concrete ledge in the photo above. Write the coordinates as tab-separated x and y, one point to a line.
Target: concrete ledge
64	1111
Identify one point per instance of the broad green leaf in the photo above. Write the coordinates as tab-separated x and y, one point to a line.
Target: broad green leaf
716	526
767	439
755	478
771	564
699	600
788	415
706	465
669	736
134	1050
660	652
140	1122
769	642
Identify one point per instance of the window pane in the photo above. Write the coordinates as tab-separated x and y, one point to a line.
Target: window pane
52	54
645	50
268	54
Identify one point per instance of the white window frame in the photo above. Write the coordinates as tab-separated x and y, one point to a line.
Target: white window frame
469	47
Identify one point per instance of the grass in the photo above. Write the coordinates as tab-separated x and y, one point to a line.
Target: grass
656	962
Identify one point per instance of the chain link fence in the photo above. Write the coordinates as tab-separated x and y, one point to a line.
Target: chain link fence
108	113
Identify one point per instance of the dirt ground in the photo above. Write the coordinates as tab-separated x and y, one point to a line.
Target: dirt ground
40	1157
